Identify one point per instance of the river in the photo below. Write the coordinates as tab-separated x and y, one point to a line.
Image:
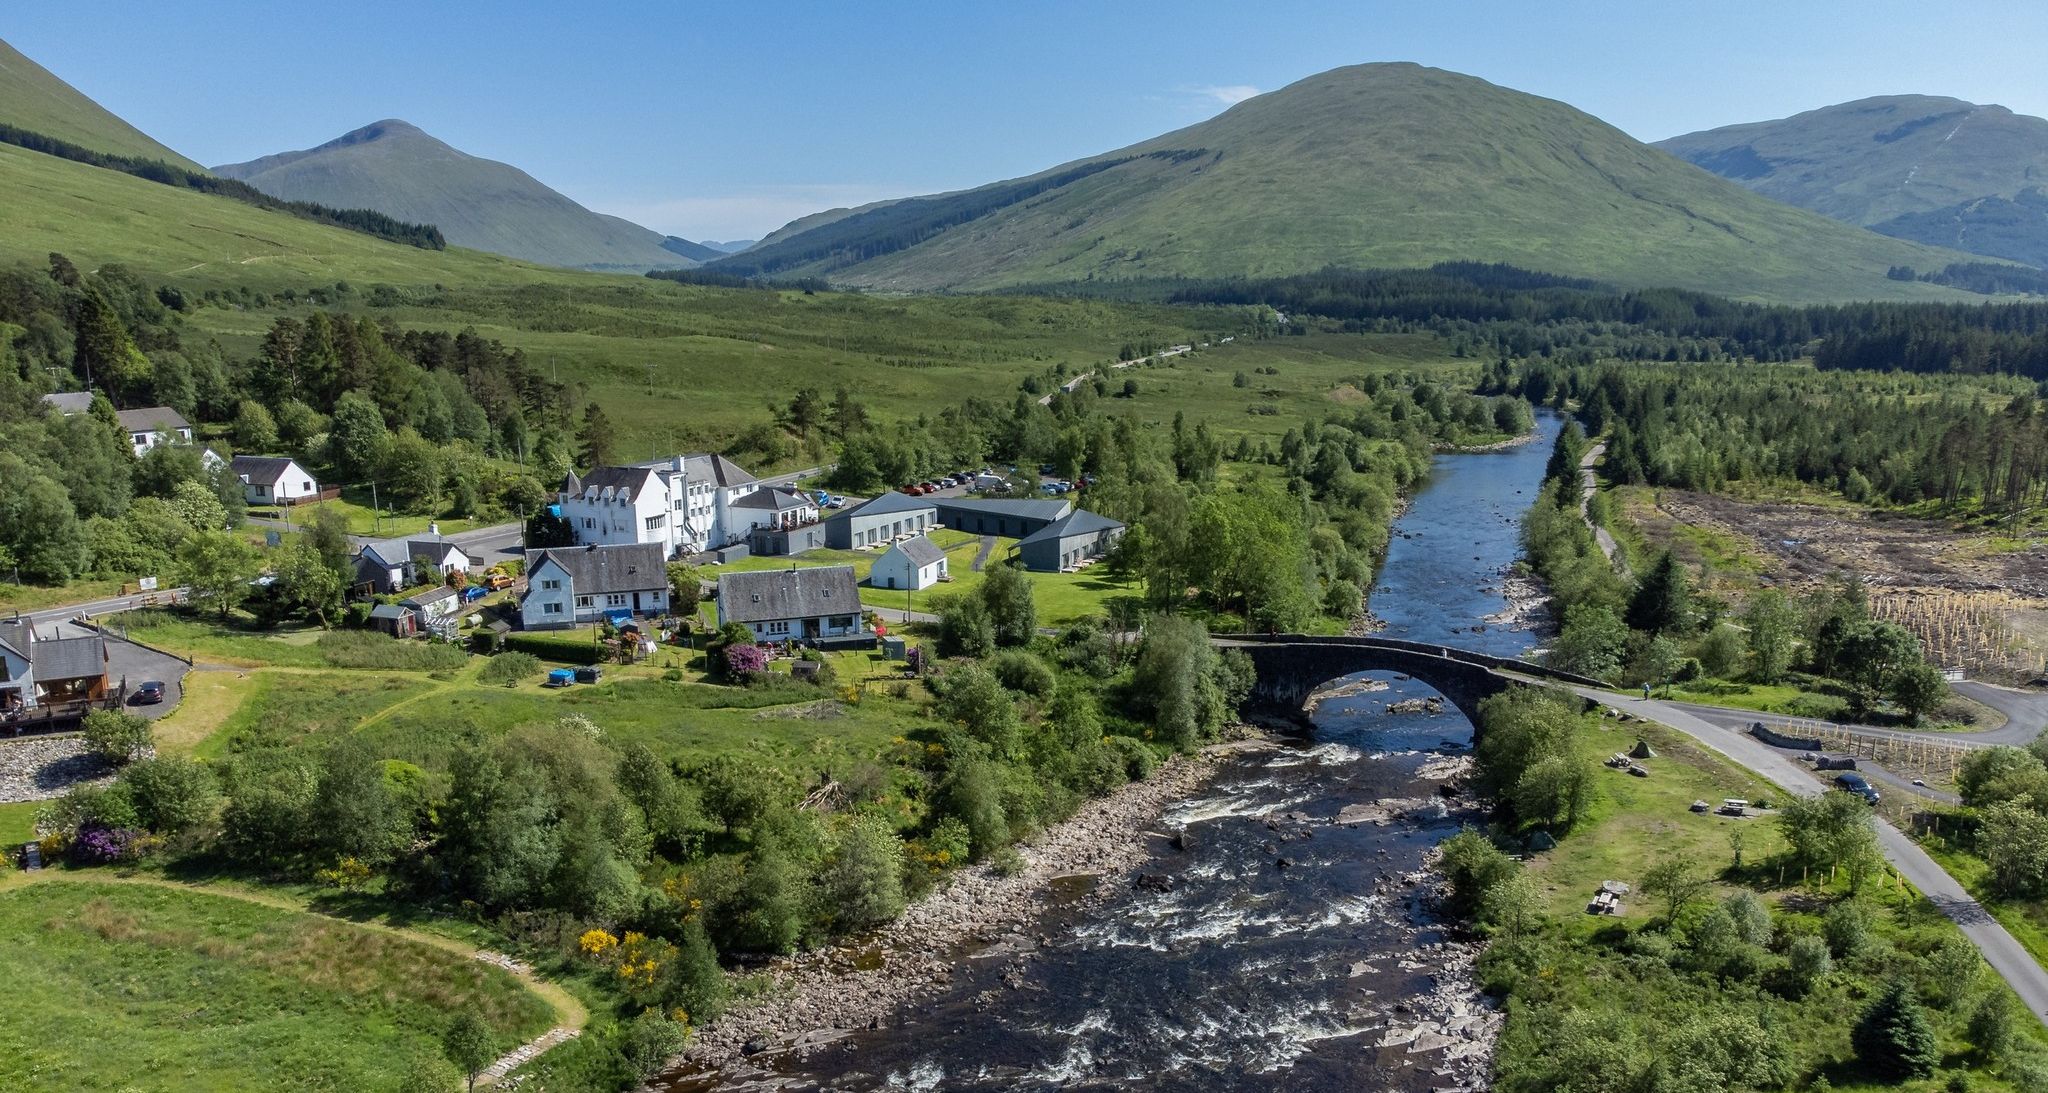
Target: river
1230	971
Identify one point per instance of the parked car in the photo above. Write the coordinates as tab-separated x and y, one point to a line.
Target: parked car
1050	487
149	693
1855	783
498	580
909	488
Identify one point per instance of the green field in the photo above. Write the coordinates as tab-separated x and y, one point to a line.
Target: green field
133	986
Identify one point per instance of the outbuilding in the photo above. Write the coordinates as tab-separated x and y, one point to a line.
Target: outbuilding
1068	541
879	521
1010	519
274	480
914	563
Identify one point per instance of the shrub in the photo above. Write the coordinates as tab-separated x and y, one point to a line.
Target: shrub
1846	929
650	1041
1807	965
371	650
115	736
1473	865
561	648
745	661
171	793
1024	673
95	844
508	669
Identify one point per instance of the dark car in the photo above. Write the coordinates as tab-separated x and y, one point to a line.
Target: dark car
1855	783
149	693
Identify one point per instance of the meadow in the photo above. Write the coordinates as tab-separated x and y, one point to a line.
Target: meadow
136	985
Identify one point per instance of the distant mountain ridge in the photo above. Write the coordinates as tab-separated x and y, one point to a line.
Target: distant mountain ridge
1929	169
1378	165
32	98
398	169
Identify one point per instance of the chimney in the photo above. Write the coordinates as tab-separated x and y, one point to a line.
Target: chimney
434	529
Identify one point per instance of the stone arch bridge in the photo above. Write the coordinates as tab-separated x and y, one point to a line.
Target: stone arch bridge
1291	667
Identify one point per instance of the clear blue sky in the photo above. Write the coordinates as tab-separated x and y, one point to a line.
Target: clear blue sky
725	120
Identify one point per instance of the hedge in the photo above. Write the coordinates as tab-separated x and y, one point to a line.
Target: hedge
574	648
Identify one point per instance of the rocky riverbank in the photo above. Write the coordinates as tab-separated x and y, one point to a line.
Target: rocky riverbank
822	995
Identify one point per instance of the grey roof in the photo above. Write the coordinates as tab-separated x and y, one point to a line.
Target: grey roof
891	502
920	550
69	402
597	570
68	658
430	596
261	469
571	484
397	552
389	611
638	479
711	467
776	498
788	594
16	634
1077	522
152	419
1029	510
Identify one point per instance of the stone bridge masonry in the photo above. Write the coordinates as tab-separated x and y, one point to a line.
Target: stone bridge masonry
1291	667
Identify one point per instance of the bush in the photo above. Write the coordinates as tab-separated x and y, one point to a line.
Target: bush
115	736
650	1041
1024	673
508	669
1807	965
1473	865
1893	1037
560	648
172	794
1846	929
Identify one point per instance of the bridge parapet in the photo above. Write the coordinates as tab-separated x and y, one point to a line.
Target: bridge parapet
1291	667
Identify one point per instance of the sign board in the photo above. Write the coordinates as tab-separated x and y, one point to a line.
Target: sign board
146	584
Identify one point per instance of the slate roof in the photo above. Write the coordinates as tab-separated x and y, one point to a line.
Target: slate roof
920	550
801	593
69	402
638	479
389	611
1077	522
892	502
1027	509
397	552
711	467
261	470
598	570
68	658
16	634
429	597
152	419
774	498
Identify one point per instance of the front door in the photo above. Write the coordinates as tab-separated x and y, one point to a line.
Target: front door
636	603
810	629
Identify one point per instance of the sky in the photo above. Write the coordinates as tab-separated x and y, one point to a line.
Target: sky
727	120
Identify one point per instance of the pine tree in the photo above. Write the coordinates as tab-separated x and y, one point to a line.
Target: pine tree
1663	598
1893	1037
594	438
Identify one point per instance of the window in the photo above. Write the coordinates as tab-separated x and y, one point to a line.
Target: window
654	522
551	609
588	523
306	487
583	601
778	628
840	622
551	585
615	599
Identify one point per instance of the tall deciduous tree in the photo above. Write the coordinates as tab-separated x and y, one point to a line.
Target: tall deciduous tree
217	567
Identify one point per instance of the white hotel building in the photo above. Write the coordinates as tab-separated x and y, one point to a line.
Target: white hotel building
686	503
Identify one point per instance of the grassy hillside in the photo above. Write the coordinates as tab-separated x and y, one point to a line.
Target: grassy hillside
1385	165
32	98
397	169
1933	170
158	987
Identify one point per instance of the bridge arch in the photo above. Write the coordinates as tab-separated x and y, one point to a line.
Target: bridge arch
1291	667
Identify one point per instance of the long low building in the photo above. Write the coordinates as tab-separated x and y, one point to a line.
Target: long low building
1068	541
879	521
1010	519
571	586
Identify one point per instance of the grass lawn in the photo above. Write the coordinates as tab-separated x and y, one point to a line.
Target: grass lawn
205	639
35	597
280	706
128	986
364	520
17	826
210	699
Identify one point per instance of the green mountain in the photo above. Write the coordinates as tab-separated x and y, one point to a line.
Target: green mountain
1932	170
397	169
32	98
1372	165
695	252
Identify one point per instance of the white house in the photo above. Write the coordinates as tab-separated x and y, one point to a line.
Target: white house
274	480
570	586
388	565
684	503
914	563
818	605
154	425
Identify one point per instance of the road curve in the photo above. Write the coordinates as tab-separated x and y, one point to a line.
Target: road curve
2001	950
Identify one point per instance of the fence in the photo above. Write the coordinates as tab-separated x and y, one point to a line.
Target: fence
1909	755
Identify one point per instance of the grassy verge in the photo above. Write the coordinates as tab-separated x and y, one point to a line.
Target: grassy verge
17	825
150	987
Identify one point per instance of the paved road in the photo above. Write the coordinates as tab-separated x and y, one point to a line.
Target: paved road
2026	713
2005	954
